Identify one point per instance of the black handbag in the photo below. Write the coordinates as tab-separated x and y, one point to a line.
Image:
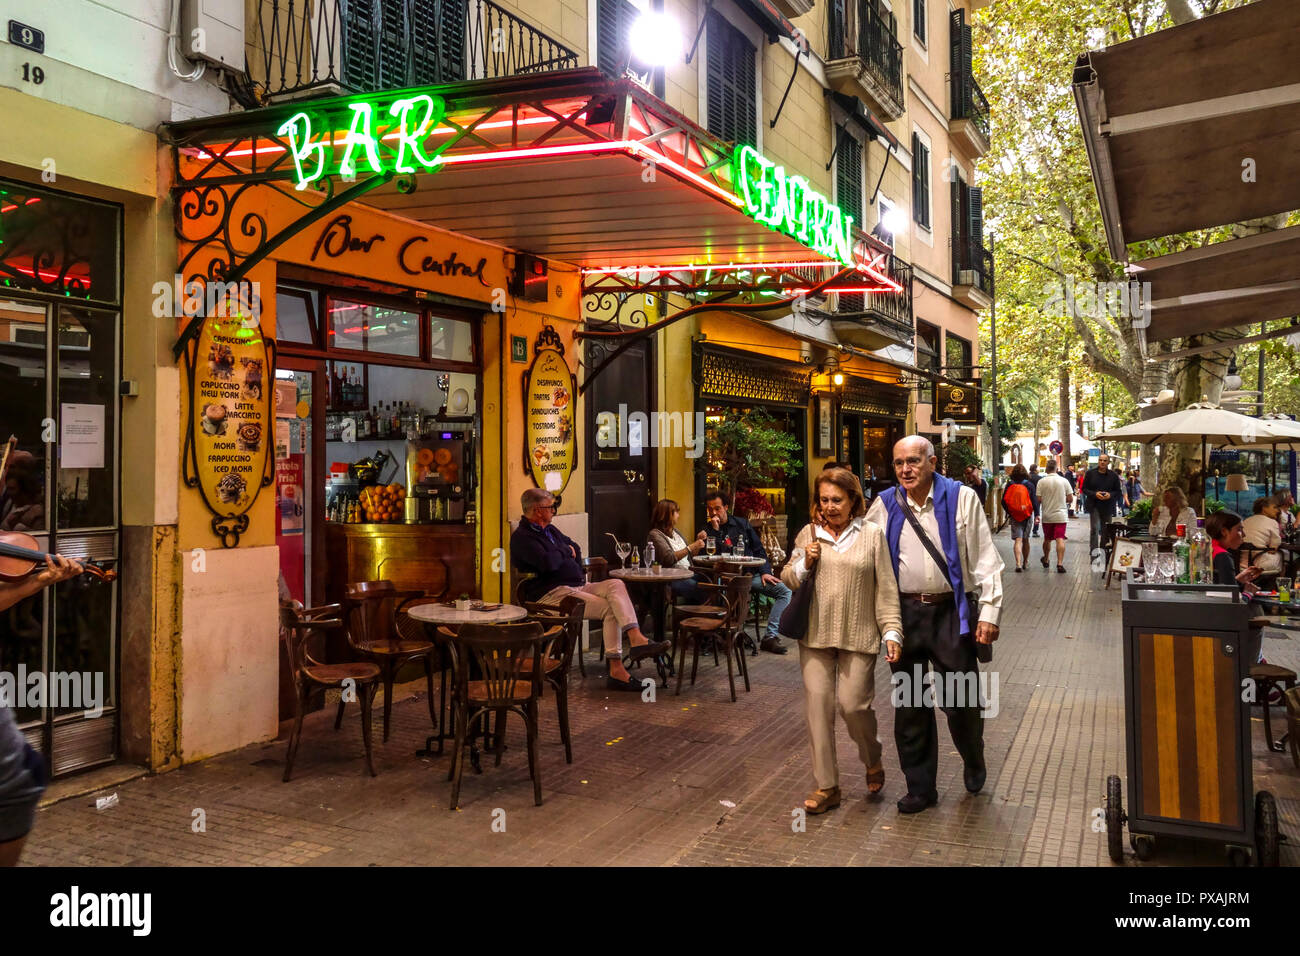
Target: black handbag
983	652
794	619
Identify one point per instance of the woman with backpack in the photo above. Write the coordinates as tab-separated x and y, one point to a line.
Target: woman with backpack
1018	500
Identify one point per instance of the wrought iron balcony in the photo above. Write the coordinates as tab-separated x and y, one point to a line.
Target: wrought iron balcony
968	103
972	265
875	48
309	47
878	319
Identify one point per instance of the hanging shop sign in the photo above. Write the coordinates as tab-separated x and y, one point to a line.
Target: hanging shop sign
958	403
550	390
789	205
227	453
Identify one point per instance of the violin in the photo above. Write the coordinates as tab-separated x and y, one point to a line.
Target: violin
19	558
18	554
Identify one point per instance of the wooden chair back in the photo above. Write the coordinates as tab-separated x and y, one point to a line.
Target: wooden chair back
569	616
371	611
738	587
497	652
597	569
297	626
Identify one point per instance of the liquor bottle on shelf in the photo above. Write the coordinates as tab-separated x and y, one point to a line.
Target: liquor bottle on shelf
395	420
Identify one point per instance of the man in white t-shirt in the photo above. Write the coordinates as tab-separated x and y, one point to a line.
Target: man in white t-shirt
1055	494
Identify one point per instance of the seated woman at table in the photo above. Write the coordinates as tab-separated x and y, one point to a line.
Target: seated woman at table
1262	533
673	551
1173	512
1226	531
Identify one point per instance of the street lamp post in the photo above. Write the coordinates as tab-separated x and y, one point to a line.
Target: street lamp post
994	425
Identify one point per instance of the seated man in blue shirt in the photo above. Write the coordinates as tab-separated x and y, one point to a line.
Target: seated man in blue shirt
726	529
556	560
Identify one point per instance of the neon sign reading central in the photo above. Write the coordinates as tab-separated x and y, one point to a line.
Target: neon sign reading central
398	132
789	205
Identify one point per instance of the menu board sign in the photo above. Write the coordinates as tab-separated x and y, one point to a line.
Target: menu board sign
229	435
550	396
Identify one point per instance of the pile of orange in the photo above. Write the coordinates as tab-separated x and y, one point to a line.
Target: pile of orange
383	503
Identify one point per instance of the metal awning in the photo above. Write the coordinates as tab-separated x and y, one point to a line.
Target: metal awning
1255	279
574	166
1195	126
863	118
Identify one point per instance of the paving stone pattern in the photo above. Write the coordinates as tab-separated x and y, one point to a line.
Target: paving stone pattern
691	780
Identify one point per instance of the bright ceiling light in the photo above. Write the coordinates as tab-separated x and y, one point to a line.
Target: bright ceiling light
655	39
893	221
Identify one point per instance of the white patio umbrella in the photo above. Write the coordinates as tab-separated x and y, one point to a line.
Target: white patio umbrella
1204	424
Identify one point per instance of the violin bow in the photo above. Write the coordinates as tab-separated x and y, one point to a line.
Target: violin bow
10	445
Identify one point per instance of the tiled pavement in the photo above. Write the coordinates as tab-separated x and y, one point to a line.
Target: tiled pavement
688	780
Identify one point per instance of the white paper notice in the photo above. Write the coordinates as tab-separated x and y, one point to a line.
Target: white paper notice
81	442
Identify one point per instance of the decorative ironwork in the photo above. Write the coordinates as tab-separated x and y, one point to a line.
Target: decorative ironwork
614	310
869	397
972	264
729	374
58	245
362	47
877	48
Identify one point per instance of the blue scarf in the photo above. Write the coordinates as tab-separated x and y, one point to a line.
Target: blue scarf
945	492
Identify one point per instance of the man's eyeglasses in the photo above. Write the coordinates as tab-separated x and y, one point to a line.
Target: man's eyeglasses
913	462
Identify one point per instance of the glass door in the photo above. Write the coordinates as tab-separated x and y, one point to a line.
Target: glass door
296	482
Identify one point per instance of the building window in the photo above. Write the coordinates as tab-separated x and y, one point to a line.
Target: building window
918	20
848	177
730	81
883	207
958	364
614	20
927	357
920	181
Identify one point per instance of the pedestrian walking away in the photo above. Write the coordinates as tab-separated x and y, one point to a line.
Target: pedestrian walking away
1055	495
950	597
853	610
1034	477
1018	500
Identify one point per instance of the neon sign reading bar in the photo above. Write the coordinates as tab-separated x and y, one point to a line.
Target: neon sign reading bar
788	204
406	123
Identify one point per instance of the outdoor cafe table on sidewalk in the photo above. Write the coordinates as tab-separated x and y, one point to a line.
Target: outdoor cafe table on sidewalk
657	589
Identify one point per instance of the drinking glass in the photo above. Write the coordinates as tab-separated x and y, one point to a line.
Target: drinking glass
711	546
621	549
1284	590
1167	567
1150	555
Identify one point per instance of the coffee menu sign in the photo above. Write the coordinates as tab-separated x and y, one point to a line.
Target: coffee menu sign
550	397
228	440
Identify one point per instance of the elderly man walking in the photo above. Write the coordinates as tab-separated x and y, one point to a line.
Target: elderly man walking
556	560
944	559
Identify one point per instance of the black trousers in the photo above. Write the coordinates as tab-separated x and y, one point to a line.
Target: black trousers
931	642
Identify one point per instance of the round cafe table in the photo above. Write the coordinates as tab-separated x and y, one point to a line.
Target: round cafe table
656	587
431	615
744	562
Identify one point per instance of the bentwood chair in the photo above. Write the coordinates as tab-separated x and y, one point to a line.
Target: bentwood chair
373	608
502	683
1292	700
756	602
726	633
564	626
297	625
1272	681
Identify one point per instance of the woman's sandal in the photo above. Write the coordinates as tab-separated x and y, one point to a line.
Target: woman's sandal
876	780
823	800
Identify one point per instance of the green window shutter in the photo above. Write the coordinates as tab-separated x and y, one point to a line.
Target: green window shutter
438	30
614	20
918	18
975	229
357	70
848	178
959	64
920	182
731	99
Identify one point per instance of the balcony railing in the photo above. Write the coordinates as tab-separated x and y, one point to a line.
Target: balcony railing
892	311
972	264
877	45
968	102
355	46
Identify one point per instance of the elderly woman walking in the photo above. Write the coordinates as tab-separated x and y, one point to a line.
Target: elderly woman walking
854	606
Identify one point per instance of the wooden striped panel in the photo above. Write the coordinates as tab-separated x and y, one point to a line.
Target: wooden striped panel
1187	727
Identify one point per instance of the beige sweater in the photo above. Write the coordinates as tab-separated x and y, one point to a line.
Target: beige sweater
856	599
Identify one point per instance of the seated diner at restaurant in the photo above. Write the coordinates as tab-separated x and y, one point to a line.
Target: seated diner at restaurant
1226	534
673	551
1173	511
555	560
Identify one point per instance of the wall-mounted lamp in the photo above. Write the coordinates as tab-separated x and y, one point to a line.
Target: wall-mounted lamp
655	40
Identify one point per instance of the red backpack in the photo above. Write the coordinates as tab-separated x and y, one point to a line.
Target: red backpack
1019	503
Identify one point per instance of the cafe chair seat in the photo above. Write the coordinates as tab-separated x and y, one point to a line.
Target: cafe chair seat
549	667
398	647
699	610
479	690
1270	680
703	623
297	626
726	633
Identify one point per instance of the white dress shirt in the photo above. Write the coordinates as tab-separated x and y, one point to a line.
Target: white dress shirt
839	545
981	565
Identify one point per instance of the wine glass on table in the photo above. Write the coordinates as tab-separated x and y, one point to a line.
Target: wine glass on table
622	549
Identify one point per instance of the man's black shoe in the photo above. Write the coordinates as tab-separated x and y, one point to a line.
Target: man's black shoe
975	777
773	645
916	802
652	649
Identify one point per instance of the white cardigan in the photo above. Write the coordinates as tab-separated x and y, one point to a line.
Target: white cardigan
1161	520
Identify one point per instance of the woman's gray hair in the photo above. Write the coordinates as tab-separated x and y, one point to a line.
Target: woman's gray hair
534	497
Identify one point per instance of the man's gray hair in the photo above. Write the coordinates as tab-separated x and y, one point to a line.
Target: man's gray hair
534	497
929	445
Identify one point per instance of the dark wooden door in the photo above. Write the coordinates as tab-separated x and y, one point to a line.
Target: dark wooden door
620	459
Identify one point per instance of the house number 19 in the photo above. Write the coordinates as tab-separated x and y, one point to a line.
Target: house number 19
33	74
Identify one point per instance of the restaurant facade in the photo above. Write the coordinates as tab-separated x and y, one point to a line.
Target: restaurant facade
333	335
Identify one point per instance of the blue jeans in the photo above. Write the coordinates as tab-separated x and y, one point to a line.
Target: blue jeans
1098	516
780	595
